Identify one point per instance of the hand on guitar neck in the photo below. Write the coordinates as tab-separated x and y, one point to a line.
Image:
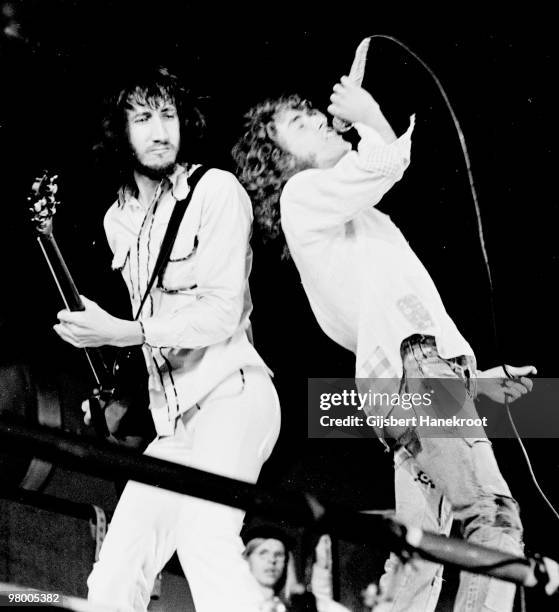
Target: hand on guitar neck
83	323
94	327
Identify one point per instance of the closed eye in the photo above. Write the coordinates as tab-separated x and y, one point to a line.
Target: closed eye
169	112
296	121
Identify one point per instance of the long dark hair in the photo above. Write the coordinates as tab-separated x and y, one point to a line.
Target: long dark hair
148	85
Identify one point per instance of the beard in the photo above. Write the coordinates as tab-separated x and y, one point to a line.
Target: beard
153	171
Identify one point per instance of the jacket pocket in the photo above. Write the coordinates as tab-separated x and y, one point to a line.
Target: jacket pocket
180	272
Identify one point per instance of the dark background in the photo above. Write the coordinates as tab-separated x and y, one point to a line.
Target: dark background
498	72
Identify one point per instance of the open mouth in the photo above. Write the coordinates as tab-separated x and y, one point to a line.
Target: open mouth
332	134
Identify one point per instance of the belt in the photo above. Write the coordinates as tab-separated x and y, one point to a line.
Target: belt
408	344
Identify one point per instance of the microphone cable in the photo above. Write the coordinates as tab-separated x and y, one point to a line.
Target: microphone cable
473	192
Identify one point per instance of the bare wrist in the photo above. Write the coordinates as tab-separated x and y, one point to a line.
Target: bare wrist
372	116
376	120
131	333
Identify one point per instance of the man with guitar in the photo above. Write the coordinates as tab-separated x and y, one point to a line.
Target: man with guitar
179	235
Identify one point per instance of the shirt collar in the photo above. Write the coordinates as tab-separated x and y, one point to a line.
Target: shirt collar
176	183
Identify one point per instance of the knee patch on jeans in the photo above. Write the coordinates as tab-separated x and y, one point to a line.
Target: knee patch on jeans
507	516
504	519
411	442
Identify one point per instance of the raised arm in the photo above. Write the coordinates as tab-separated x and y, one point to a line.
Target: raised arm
330	197
354	104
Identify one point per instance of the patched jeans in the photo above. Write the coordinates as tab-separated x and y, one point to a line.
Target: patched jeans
445	478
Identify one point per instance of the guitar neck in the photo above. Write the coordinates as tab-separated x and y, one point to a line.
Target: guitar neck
42	206
64	281
71	298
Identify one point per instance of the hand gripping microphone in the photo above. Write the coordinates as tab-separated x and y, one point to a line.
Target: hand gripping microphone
356	75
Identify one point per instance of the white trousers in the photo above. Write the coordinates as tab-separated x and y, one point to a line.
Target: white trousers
232	434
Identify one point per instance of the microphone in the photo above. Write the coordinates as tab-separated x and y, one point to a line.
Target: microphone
356	75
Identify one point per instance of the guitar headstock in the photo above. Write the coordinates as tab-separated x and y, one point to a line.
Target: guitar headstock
42	202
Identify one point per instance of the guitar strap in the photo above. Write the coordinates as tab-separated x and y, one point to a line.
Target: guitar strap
171	235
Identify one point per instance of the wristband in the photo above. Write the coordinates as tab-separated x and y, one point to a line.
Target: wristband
143	332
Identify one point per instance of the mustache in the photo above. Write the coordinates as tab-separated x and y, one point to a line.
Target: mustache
163	145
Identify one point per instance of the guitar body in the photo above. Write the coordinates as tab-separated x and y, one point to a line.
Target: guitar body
39	390
114	389
104	383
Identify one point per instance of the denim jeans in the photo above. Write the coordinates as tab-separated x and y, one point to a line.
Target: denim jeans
445	478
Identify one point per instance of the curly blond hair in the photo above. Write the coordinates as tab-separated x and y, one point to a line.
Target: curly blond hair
263	167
